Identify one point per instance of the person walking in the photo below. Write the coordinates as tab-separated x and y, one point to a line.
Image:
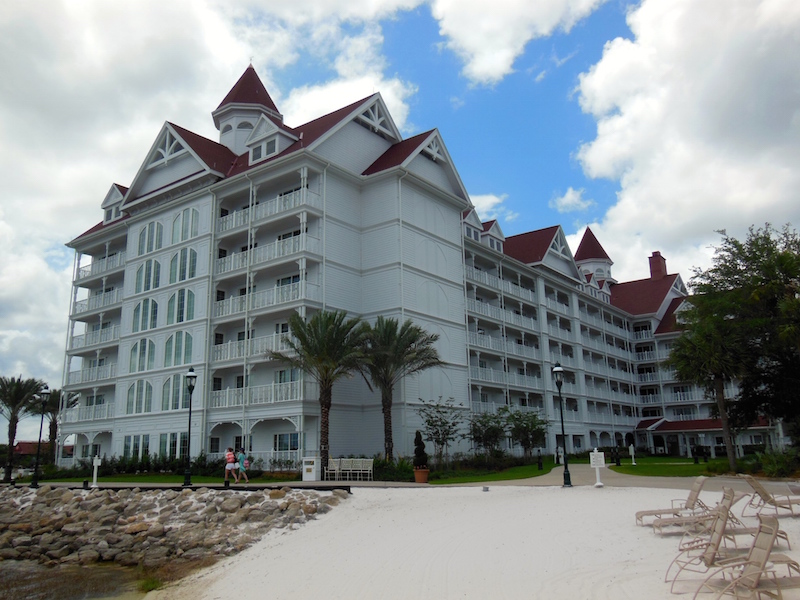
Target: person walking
243	464
230	465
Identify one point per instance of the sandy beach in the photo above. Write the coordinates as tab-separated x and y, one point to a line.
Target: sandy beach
516	540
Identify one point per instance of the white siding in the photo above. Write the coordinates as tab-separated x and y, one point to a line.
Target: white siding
353	147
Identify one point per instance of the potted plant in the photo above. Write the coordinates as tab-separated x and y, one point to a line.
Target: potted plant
420	460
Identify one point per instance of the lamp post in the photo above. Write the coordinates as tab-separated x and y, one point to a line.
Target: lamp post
44	396
191	378
558	375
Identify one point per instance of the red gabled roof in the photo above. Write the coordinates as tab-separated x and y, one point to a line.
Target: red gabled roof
122	189
641	297
668	322
99	227
25	448
214	155
645	423
530	247
396	154
249	90
590	248
488	225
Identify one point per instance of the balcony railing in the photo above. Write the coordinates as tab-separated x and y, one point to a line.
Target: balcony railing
90	413
93	374
253	347
649	399
102	265
97	301
262	254
493	407
497	283
645	334
277	205
266	298
558	306
564	334
101	336
646	377
263	394
497	376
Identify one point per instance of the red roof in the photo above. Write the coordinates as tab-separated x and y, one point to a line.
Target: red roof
590	248
396	154
249	90
645	423
27	448
668	322
641	297
530	247
488	225
215	155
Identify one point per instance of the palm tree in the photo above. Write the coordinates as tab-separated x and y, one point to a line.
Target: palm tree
17	398
326	347
57	402
394	351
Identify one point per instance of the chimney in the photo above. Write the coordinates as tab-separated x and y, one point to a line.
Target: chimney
658	266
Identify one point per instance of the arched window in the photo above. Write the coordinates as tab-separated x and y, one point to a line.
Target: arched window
145	315
148	276
185	225
140	397
183	265
150	237
244	125
143	356
178	350
174	394
180	307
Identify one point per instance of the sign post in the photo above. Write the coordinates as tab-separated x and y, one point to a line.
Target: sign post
598	460
632	449
96	462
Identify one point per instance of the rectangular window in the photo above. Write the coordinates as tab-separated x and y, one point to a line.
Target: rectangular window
237	443
213	445
184	444
216	384
219	339
284	442
220	295
135	448
145	445
173	444
162	444
126	448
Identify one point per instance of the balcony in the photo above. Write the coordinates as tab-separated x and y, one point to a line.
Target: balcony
93	338
693	396
275	206
492	408
558	306
104	265
97	301
564	334
92	374
255	347
646	377
79	414
273	393
262	254
645	334
273	297
501	377
496	283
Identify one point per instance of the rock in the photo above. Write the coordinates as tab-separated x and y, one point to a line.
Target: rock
21	540
231	505
277	494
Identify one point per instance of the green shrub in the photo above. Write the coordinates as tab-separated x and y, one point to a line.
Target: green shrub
778	464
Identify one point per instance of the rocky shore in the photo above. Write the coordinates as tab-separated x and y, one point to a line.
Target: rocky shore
132	527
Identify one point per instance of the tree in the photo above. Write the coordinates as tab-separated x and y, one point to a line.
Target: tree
486	430
327	347
57	401
525	428
394	351
442	423
17	397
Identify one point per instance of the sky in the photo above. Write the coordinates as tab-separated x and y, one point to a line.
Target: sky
656	123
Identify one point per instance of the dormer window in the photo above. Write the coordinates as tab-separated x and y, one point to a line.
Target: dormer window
263	150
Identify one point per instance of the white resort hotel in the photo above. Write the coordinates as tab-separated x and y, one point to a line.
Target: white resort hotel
201	260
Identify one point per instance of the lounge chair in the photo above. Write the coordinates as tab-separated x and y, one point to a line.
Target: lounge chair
333	469
697	523
679	507
762	498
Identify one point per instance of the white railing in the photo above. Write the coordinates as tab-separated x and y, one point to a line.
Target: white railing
486	341
693	396
497	376
90	413
101	266
517	290
646	377
523	350
277	205
643	335
564	334
498	283
558	306
649	399
93	374
253	347
270	460
101	336
262	254
649	356
97	301
485	309
263	394
520	320
564	361
266	298
493	407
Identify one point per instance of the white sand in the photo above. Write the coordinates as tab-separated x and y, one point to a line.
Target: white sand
461	542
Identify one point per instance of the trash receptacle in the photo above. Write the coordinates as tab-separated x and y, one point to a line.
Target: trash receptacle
311	468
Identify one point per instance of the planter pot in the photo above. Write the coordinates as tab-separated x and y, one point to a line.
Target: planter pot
421	475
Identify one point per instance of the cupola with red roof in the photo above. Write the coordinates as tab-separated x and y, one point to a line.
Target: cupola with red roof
240	111
592	259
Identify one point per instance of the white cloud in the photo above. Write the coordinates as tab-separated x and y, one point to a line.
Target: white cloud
490	206
489	38
698	117
571	201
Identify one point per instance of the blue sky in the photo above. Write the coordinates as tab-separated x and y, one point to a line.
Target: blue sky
656	122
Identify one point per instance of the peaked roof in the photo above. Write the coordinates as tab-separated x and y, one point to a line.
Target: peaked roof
249	90
530	247
642	297
397	153
668	322
216	156
590	248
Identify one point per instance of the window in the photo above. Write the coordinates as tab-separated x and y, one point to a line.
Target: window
286	441
286	291
145	315
143	356
140	398
256	153
150	237
183	265
95	400
174	394
148	276
281	328
184	226
178	350
136	446
145	444
180	307
213	445
216	384
184	444
287	375
173	444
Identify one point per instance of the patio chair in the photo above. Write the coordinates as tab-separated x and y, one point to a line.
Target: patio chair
333	469
679	507
346	467
697	524
762	498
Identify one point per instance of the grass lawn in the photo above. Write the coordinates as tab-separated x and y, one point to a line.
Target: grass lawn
666	466
523	472
161	478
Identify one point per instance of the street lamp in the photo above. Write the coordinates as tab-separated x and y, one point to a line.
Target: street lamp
558	375
44	396
191	378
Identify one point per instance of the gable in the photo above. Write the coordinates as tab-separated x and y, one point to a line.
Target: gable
559	257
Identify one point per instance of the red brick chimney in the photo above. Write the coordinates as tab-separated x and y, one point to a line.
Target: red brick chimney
658	266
